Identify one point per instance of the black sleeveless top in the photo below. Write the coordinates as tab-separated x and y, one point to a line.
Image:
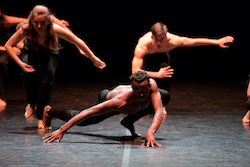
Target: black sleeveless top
39	58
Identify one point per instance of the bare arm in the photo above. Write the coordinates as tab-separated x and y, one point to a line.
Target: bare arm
187	42
2	48
59	22
12	20
16	49
9	46
157	105
70	37
137	62
64	24
96	110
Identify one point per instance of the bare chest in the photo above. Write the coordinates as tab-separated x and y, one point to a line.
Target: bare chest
162	49
133	107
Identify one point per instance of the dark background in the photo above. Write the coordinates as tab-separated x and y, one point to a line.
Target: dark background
111	30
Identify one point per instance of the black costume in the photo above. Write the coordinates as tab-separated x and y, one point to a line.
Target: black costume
38	83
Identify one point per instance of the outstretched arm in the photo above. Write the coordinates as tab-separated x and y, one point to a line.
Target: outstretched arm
12	20
64	24
137	62
185	41
157	105
96	110
70	37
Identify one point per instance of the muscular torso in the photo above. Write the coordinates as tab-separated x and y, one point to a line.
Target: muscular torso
128	103
146	45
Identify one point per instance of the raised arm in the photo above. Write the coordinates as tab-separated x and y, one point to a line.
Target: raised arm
187	42
137	62
70	37
158	116
96	110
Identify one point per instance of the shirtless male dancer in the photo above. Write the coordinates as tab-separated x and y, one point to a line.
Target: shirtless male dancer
148	53
127	99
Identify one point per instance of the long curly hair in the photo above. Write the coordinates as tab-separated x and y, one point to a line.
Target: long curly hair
52	40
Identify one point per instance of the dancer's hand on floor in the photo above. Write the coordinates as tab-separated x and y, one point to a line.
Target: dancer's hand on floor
58	134
150	140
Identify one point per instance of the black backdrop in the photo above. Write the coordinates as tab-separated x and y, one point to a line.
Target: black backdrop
112	29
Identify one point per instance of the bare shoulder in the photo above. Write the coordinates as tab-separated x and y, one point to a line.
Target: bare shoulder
153	85
119	91
60	30
144	42
146	36
122	87
145	39
174	39
57	28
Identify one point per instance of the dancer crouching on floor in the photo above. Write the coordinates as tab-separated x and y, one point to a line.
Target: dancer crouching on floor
39	64
126	99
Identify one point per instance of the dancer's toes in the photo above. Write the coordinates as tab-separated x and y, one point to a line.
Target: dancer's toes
245	120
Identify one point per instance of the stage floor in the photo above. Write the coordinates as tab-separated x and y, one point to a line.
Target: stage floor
203	128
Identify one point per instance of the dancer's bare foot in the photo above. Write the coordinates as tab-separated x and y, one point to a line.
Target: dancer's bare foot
246	118
165	112
46	117
246	125
130	127
40	124
29	109
2	103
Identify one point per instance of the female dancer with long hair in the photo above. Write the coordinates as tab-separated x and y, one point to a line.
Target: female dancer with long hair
41	46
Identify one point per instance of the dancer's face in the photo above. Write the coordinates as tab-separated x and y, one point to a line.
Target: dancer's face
141	90
159	39
40	23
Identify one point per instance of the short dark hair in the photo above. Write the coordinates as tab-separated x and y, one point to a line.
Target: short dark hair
139	77
159	28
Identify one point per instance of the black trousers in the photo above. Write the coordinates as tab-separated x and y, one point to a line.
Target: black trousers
38	85
66	115
153	62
